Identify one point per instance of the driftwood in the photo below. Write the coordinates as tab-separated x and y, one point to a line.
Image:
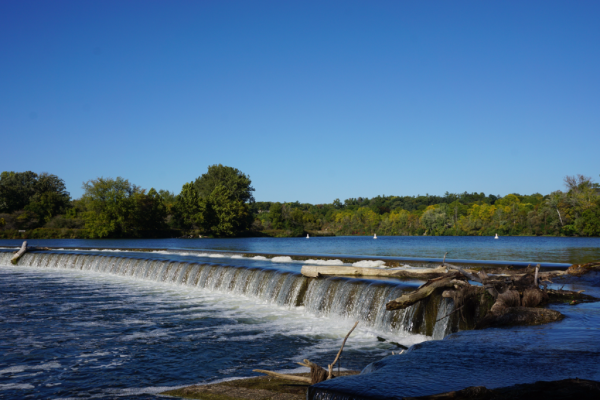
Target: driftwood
315	271
453	280
317	373
284	376
579	270
19	253
515	299
24	249
337	357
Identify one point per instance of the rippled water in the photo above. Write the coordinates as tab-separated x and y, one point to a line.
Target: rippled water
517	248
73	333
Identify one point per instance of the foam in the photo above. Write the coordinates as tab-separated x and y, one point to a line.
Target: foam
47	366
18	386
285	259
21	368
369	264
13	370
324	262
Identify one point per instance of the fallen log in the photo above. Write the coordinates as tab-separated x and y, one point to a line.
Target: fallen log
19	253
452	280
24	249
315	271
283	376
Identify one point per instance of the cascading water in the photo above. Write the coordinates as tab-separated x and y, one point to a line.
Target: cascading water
354	299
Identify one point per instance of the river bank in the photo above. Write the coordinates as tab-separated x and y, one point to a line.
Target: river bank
80	233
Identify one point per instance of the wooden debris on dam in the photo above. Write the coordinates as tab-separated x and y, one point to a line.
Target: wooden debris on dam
498	300
315	271
24	249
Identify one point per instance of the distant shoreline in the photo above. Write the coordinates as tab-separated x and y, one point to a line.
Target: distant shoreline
65	233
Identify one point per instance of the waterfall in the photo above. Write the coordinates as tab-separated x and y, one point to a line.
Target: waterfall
351	298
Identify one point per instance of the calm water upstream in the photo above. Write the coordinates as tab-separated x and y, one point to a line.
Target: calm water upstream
513	248
101	324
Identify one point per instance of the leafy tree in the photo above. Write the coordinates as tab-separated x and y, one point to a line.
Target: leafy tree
589	223
16	190
217	202
109	207
187	211
41	196
117	208
149	213
224	215
435	219
276	215
234	180
50	199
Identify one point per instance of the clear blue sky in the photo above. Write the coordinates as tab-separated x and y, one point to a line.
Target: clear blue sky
315	100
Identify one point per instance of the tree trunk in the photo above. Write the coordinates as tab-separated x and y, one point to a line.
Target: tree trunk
19	253
314	271
453	280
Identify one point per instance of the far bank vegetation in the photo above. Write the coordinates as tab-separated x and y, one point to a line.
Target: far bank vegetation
220	203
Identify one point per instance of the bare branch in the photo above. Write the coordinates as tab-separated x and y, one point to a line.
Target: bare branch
340	352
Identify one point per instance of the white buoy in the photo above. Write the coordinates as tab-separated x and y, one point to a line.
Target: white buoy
307	236
496	236
375	236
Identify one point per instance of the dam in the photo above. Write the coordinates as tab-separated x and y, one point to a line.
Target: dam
126	323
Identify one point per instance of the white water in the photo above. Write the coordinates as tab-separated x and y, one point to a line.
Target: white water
333	299
276	259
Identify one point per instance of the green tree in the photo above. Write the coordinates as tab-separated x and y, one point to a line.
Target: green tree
234	180
435	219
109	207
223	215
276	215
217	202
50	199
149	213
16	190
187	210
42	196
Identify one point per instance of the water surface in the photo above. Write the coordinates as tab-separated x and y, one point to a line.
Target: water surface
510	248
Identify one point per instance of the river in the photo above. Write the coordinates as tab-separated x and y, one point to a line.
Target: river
126	324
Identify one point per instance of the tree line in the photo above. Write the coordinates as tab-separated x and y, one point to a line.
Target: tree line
220	203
